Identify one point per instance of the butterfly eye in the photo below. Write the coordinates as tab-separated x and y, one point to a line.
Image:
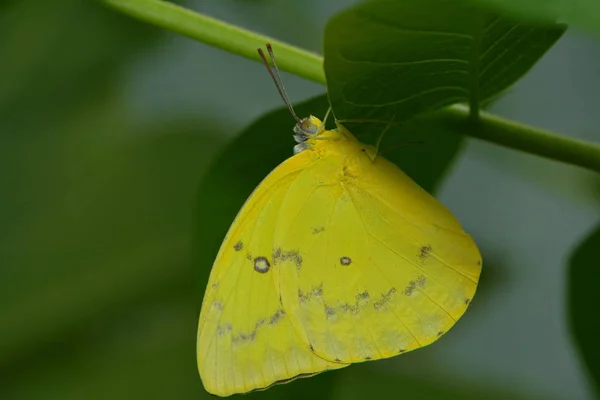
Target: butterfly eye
304	129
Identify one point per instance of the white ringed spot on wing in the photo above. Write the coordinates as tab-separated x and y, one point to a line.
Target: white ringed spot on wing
261	264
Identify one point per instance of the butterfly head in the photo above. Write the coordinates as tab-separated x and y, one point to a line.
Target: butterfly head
305	129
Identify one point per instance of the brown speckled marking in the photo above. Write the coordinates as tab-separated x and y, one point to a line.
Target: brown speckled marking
364	296
412	285
238	246
315	291
384	299
280	255
329	312
425	251
223	330
276	317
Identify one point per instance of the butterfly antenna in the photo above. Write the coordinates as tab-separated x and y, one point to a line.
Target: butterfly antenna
274	72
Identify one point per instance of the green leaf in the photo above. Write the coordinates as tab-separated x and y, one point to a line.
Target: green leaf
363	381
583	301
96	210
144	353
389	59
582	13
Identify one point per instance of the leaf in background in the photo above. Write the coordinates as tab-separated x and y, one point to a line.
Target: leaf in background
584	298
362	381
144	353
396	59
96	211
581	13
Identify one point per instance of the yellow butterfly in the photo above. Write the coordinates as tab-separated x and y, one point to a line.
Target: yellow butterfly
336	257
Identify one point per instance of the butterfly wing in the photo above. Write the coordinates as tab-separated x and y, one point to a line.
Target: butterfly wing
385	268
246	339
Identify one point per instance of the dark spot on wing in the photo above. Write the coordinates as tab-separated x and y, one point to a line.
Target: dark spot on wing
280	255
401	351
478	262
338	360
311	348
412	285
318	290
425	251
238	246
315	291
353	309
249	256
329	312
384	299
345	261
367	358
440	333
223	329
276	317
363	296
276	255
248	337
261	264
318	229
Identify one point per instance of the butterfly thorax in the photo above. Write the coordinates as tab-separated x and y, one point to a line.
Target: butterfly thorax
335	145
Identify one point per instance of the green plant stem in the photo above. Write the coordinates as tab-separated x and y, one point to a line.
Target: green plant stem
222	35
523	137
310	66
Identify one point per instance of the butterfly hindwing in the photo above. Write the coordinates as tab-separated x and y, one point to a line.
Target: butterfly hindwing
385	267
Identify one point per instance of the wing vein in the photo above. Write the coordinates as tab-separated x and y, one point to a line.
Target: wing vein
382	274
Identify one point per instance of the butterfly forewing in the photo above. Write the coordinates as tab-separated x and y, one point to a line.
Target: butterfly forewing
246	340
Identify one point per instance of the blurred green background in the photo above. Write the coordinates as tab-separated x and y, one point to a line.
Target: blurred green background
106	128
